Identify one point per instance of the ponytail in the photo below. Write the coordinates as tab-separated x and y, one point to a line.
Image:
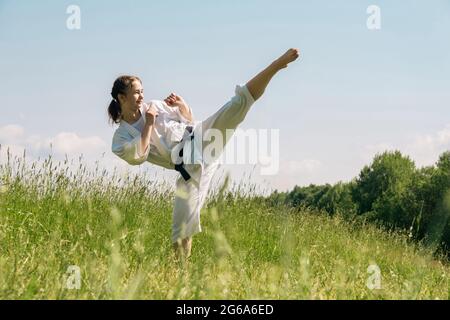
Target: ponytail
115	111
121	86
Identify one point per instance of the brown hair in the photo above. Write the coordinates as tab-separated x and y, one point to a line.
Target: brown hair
121	85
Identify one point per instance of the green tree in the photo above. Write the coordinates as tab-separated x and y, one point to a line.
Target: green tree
338	199
381	188
417	200
438	226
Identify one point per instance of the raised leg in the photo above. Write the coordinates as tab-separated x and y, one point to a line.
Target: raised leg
258	84
233	112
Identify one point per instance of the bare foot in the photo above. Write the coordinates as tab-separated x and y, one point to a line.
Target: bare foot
290	56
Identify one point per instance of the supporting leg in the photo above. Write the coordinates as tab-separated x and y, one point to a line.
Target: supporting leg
258	84
183	248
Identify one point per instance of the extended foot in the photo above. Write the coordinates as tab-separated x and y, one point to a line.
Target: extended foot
290	56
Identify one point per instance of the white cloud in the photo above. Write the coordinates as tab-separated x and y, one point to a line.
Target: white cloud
72	144
371	150
16	139
295	172
424	149
306	166
11	133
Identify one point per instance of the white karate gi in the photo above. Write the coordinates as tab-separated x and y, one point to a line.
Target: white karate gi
167	137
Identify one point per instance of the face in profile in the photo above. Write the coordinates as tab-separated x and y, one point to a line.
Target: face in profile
134	98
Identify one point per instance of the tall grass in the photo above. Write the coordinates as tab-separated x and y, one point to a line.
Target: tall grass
116	229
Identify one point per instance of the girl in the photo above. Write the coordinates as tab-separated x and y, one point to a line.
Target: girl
165	133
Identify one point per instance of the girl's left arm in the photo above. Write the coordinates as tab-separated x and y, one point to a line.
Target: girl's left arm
177	101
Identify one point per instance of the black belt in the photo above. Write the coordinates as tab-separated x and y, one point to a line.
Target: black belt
180	167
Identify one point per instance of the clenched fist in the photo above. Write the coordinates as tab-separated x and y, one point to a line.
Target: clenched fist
151	114
174	100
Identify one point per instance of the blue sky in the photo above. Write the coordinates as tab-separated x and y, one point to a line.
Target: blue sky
353	93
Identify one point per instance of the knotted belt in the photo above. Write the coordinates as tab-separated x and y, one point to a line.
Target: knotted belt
180	167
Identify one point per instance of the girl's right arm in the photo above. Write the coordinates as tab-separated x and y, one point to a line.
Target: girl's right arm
145	137
150	116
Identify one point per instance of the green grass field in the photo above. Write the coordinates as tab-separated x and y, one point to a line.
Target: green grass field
116	230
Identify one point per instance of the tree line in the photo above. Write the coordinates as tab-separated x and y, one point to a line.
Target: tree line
390	191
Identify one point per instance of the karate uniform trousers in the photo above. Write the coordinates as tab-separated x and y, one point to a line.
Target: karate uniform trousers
190	195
